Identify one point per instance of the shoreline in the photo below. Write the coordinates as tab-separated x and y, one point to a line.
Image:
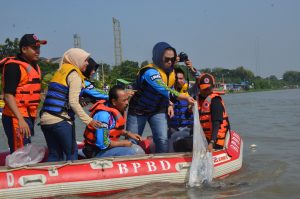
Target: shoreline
258	90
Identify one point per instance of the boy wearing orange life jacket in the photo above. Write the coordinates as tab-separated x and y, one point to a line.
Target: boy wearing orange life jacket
104	141
21	82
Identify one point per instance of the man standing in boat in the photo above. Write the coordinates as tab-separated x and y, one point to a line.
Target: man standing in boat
104	141
154	85
213	116
21	83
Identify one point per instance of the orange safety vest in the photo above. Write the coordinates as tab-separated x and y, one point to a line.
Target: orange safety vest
114	134
28	93
205	119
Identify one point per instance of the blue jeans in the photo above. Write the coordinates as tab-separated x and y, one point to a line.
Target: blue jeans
10	125
159	127
60	141
116	151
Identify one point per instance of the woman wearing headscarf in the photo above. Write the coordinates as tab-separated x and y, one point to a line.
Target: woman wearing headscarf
62	104
90	93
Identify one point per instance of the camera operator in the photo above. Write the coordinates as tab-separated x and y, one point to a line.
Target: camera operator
180	122
154	85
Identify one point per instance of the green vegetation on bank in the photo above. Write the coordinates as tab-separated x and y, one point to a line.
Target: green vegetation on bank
128	70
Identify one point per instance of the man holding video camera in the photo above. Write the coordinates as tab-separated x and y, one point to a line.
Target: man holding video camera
151	102
181	122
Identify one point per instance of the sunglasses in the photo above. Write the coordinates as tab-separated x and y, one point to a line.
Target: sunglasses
167	59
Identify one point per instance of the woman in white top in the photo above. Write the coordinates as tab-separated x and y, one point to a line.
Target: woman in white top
62	104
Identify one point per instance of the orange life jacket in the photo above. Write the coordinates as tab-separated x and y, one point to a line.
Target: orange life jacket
114	134
205	119
28	93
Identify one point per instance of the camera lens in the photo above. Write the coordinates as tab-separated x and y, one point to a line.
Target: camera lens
183	57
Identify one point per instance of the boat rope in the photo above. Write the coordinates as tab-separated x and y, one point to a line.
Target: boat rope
70	163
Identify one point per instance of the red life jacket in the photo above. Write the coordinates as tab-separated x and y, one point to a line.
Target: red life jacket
114	134
205	119
28	90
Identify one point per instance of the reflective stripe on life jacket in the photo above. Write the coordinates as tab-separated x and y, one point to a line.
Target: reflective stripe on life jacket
205	119
147	99
115	133
57	97
28	90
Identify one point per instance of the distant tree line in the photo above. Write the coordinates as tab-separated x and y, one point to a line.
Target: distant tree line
129	69
292	77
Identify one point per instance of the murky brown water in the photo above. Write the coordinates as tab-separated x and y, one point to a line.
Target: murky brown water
271	120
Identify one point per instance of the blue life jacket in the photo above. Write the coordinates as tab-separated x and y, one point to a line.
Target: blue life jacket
147	100
183	117
57	97
57	100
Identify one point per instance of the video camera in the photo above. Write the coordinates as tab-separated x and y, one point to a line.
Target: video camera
183	57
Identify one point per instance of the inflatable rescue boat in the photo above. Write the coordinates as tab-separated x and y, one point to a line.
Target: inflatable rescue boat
102	176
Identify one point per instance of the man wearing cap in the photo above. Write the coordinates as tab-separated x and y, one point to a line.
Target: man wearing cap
21	83
213	116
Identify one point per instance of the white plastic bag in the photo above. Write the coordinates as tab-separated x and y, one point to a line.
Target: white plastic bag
137	149
201	170
29	154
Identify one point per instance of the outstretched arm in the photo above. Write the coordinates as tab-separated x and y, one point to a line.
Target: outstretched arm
91	91
153	78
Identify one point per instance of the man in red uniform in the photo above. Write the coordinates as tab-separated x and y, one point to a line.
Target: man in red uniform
21	82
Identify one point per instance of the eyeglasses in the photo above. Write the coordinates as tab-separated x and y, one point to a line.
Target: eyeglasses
167	59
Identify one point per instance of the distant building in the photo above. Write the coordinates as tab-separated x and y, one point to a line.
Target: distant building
223	86
54	60
234	87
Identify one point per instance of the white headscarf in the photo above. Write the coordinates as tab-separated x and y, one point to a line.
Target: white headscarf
74	56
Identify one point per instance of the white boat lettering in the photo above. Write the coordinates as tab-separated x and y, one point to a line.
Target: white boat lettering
236	139
165	165
220	158
234	148
235	135
151	166
123	168
234	143
10	179
136	165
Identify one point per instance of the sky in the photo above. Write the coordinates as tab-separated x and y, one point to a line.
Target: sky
261	35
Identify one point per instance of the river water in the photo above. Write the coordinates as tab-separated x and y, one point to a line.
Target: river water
270	120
